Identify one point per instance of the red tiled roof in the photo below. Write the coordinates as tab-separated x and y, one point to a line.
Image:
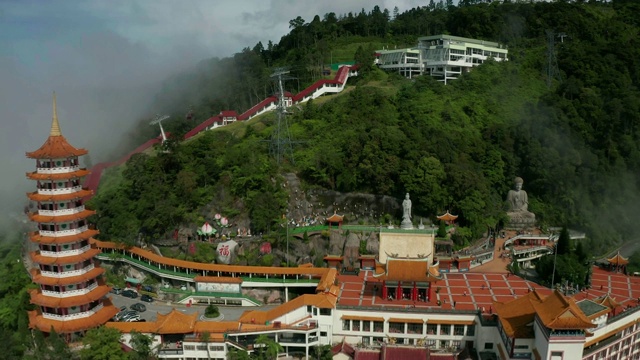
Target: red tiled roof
37	321
335	218
228	113
255	108
205	124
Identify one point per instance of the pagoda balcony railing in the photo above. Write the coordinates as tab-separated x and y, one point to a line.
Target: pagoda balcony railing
80	315
58	212
58	169
67	190
70	293
64	253
65	274
61	233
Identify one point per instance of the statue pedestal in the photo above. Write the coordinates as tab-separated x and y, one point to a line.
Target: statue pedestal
519	221
406	225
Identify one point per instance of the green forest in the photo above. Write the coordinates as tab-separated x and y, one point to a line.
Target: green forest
572	136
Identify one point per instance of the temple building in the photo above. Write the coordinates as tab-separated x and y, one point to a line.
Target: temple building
70	292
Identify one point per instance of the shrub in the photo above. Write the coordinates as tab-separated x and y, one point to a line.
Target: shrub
211	311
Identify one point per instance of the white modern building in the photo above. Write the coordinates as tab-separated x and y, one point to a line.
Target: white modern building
444	57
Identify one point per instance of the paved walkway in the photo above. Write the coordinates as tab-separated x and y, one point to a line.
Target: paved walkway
498	264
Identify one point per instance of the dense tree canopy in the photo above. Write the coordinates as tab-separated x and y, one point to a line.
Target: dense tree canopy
454	147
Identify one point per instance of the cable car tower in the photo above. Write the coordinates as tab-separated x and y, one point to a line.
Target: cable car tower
158	120
281	144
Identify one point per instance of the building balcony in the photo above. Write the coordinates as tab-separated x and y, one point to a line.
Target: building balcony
75	316
61	212
65	274
70	293
61	233
68	190
58	170
65	252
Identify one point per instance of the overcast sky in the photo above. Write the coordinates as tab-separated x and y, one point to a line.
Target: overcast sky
104	58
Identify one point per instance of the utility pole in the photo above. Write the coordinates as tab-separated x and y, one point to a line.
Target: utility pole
555	256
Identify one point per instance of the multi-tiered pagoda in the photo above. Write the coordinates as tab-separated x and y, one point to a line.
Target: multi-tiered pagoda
71	293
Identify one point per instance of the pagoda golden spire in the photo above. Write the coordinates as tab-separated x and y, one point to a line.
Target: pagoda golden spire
55	126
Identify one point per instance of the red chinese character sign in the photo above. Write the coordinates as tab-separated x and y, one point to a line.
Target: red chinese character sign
226	250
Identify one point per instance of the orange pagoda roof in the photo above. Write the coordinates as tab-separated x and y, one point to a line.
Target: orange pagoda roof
36	237
608	301
555	312
60	218
56	146
397	269
175	322
558	312
60	176
40	299
38	321
38	258
59	197
618	260
447	217
335	218
322	301
38	278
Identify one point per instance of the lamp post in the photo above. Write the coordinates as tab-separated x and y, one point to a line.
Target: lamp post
555	256
287	232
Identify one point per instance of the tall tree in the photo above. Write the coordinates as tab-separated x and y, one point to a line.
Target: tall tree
102	343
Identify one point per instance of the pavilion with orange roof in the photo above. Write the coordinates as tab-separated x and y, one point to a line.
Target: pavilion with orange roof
448	218
618	262
70	292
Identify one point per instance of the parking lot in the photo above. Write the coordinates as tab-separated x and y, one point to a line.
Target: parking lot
163	307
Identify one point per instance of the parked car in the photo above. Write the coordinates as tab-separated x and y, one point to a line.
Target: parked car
116	290
139	307
130	294
123	308
134	318
130	316
146	298
122	314
148	288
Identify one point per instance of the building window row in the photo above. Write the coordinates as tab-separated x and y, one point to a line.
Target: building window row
408	328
